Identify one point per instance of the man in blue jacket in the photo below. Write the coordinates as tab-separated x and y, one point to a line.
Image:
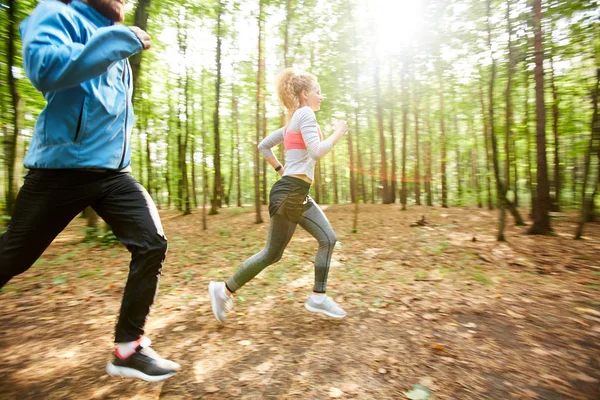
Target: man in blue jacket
79	156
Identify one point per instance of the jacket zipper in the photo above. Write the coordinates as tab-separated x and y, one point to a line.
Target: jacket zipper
126	114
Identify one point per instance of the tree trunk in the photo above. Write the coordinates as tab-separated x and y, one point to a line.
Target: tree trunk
417	145
541	223
394	175
257	205
594	147
459	183
218	181
336	199
557	176
140	19
236	118
182	138
264	161
205	187
428	160
530	183
405	99
475	164
11	139
443	144
387	198
486	140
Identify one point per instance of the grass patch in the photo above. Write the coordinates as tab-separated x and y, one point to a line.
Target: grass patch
481	278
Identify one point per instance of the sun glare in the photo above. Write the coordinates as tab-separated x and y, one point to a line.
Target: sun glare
397	23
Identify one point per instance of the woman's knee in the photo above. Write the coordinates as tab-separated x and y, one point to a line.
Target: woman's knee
328	241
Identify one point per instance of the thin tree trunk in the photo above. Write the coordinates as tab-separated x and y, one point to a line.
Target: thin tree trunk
541	223
428	175
557	176
530	184
259	74
459	183
594	147
11	140
264	161
387	199
394	175
405	100
205	187
488	163
140	19
218	181
501	191
443	144
417	145
475	164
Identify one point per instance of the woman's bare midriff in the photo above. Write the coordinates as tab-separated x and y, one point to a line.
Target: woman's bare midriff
303	177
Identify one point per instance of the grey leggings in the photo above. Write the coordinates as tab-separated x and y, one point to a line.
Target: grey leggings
281	230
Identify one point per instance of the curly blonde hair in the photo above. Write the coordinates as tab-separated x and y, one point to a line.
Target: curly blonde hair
289	87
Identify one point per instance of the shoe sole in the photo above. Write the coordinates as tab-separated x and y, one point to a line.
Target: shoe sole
213	301
125	372
318	310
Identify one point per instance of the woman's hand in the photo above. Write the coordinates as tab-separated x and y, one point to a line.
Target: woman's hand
342	127
280	172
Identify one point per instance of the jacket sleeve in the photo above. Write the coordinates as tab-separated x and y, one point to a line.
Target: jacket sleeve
53	60
310	133
270	141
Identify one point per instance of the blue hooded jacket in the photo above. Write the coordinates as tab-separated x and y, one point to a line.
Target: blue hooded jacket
77	58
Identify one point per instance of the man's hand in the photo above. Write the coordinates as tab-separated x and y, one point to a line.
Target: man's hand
143	36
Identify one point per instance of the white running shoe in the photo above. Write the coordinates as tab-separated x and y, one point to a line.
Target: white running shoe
324	305
220	301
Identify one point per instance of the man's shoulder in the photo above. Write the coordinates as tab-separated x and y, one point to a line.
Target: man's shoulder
50	11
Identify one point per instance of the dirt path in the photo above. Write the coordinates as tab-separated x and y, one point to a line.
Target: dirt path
442	305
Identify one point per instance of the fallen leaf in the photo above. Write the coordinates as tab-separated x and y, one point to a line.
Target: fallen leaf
335	393
264	367
430	317
470	325
588	311
350	388
418	392
514	314
438	347
211	389
586	378
245	342
427	381
382	370
180	328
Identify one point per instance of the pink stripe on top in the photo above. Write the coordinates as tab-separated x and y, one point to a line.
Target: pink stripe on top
294	140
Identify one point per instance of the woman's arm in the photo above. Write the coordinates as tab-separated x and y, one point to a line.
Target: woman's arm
267	143
310	133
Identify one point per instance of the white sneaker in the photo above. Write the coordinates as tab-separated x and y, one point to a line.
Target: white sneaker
324	305
220	301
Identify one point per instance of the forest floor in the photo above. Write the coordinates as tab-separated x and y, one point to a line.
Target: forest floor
442	306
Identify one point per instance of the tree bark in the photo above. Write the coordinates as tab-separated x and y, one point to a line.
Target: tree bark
217	198
387	198
405	100
140	19
541	222
12	138
594	147
555	205
443	144
257	205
